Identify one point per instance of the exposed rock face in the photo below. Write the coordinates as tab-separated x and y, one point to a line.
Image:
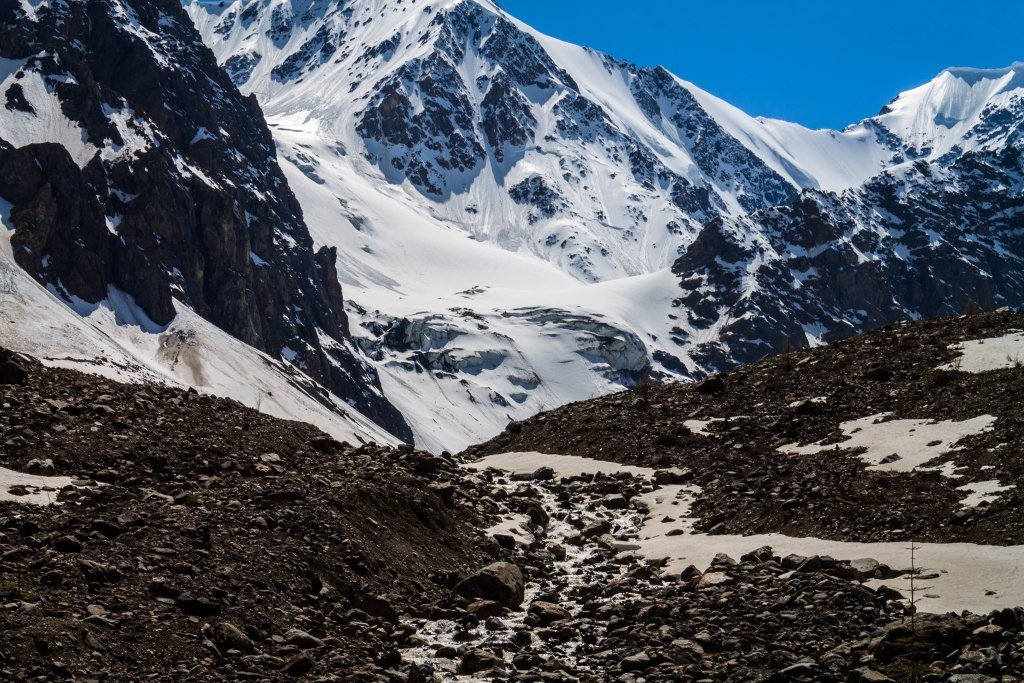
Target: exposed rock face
919	242
165	187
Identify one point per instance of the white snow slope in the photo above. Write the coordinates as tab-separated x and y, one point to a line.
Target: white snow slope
116	340
506	205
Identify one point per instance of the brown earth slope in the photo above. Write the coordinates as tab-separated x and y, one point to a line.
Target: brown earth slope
196	511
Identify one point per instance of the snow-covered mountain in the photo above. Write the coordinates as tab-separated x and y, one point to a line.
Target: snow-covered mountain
961	110
600	167
517	222
148	230
514	214
932	235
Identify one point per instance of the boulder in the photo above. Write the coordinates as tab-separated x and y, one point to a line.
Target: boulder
548	612
761	555
196	607
299	665
67	544
475	661
866	675
638	662
502	582
11	371
485	609
793	561
712	385
712	579
41	466
302	640
380	607
230	637
879	372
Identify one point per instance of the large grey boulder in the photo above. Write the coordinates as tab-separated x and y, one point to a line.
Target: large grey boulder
502	582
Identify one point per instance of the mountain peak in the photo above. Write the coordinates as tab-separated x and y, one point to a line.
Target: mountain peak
959	110
974	75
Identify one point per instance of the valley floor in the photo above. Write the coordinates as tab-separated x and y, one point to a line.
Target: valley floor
154	533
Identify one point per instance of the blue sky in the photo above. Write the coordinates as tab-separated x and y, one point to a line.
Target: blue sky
825	63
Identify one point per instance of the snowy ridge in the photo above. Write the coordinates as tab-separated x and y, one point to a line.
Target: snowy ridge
961	110
518	139
545	147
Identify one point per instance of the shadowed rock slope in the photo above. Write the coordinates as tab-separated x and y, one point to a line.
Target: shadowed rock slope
132	162
195	526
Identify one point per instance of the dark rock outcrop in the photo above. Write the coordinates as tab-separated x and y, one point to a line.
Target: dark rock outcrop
915	243
175	193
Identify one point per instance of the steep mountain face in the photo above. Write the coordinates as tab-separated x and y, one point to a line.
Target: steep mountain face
961	110
136	171
515	215
918	242
593	164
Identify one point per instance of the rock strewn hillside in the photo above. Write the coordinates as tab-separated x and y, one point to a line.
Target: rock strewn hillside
196	539
199	539
728	432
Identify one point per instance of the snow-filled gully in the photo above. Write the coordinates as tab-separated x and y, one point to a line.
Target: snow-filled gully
657	526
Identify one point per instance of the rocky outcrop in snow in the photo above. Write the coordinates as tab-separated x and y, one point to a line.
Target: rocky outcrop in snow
131	162
916	243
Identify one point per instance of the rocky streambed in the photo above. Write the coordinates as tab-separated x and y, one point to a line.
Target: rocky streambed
575	598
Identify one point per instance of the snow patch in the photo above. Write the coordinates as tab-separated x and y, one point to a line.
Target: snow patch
982	492
898	445
37	490
46	122
700	427
564	465
994	353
